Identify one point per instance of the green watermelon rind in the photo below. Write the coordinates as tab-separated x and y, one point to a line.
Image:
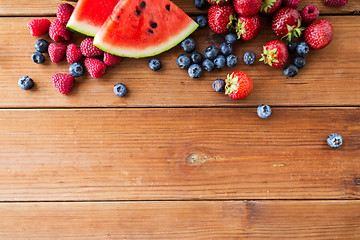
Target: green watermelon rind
82	27
151	50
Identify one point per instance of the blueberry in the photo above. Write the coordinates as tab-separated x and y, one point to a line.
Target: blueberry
249	58
264	111
231	60
299	62
183	61
188	45
290	71
155	64
196	57
25	82
37	57
231	38
200	3
41	45
334	140
76	70
219	85
226	48
201	21
120	89
208	65
302	49
195	71
211	52
291	46
219	61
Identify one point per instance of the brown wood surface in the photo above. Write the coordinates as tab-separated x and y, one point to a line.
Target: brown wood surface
182	220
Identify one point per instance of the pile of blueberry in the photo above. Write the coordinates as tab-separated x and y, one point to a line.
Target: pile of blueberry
301	49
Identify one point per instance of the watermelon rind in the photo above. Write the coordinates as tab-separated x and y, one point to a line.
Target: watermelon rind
82	27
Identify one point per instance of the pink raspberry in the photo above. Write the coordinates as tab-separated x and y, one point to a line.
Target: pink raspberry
58	31
309	14
95	67
64	12
56	52
73	53
63	82
291	3
88	49
38	27
336	3
110	59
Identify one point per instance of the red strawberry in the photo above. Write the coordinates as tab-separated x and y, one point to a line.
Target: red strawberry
319	34
247	8
336	3
88	49
56	52
73	53
270	6
38	27
220	18
58	31
238	85
291	3
95	67
275	54
218	2
110	59
309	14
64	12
247	28
63	82
286	23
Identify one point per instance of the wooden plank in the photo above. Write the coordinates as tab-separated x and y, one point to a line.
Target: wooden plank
45	8
325	81
153	154
181	220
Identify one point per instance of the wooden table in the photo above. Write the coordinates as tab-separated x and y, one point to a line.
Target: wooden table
174	159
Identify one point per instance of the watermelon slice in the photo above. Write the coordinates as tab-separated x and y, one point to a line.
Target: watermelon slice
89	15
142	28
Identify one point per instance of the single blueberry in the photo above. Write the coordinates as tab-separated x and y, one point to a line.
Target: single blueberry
37	57
195	71
219	61
155	64
25	82
120	89
231	60
183	61
41	45
290	71
188	45
249	58
231	38
334	140
264	111
208	65
211	52
226	48
196	57
219	85
299	62
291	46
201	21
200	3
76	70
302	49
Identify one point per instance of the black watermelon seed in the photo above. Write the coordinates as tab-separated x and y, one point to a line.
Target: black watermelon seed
167	7
137	12
150	31
142	4
153	25
118	17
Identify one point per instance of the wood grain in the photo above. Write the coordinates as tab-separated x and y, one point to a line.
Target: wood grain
45	8
182	220
154	154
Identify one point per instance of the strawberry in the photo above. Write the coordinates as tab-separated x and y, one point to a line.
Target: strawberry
38	27
88	49
58	31
63	82
247	28
218	2
220	18
64	12
336	3
95	67
291	3
286	23
309	14
110	59
270	6
56	52
275	54
247	8
319	34
73	53
238	85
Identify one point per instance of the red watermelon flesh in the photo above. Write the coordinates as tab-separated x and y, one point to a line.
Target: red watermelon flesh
89	15
141	28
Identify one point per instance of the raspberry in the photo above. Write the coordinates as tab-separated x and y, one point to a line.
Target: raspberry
110	59
291	3
336	3
38	27
63	82
64	12
56	52
95	67
88	49
309	14
58	31
73	53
